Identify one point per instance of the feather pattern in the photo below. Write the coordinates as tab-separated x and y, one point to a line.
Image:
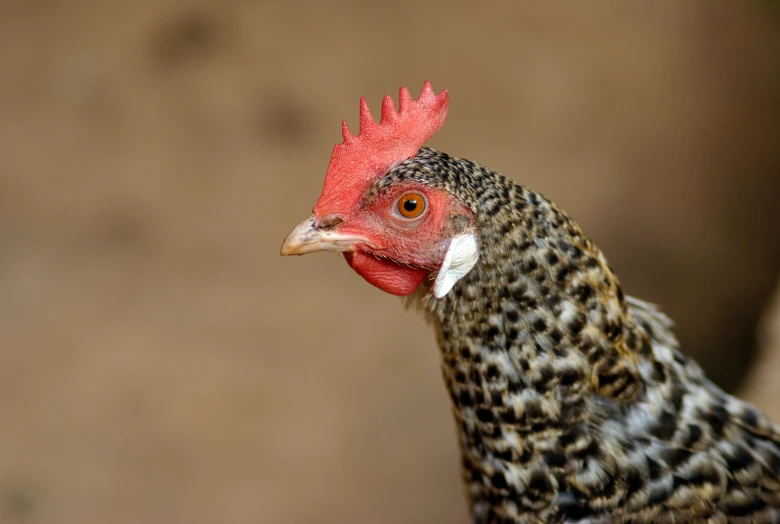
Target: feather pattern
572	401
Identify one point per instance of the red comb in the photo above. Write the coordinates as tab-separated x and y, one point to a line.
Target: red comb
357	162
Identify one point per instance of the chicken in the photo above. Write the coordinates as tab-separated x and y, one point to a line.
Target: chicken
571	399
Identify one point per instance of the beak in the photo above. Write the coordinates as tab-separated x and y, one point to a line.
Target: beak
307	238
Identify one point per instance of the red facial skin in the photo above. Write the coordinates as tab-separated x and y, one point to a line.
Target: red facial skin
401	251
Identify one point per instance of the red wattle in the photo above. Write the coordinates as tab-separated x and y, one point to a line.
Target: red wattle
386	275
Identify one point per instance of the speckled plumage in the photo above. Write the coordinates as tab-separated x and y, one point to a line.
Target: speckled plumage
571	400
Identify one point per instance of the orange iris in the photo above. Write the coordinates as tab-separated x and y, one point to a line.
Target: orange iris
411	205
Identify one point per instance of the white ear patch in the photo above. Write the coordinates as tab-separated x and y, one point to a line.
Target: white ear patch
460	257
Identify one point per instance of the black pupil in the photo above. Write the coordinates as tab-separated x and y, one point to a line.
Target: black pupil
410	205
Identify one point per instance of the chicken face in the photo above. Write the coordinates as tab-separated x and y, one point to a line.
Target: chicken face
393	239
396	236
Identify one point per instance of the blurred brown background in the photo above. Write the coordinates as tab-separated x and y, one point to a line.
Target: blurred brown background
160	363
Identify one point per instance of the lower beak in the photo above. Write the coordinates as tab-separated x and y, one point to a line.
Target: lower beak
306	238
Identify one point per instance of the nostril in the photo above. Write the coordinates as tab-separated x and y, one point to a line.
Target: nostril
328	222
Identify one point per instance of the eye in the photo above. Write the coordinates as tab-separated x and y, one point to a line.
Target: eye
411	205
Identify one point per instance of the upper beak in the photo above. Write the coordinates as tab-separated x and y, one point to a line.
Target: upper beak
307	238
